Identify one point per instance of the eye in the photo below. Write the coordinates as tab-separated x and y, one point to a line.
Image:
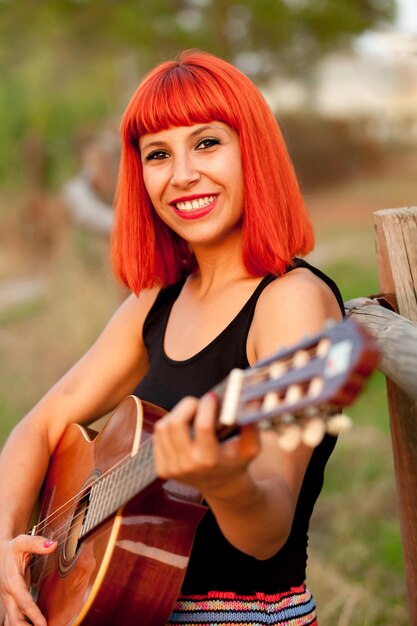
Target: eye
208	142
156	155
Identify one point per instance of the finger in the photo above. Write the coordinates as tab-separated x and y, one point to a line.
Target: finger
172	438
16	616
250	442
35	544
186	408
168	446
207	449
205	423
172	451
159	458
177	426
182	414
246	445
13	616
26	605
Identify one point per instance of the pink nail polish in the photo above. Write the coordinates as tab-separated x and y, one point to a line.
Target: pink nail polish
48	544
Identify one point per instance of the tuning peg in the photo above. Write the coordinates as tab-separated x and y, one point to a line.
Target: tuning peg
323	347
277	369
293	394
313	431
338	424
270	401
315	387
312	411
301	358
289	437
266	424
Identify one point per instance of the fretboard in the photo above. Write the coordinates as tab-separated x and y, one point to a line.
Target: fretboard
116	487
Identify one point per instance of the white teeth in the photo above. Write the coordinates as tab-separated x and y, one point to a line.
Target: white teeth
195	204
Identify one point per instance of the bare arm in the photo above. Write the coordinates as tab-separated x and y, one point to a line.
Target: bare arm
251	485
100	379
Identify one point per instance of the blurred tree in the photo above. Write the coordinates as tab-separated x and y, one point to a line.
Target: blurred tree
66	61
292	32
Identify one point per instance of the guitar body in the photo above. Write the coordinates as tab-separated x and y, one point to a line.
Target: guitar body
129	569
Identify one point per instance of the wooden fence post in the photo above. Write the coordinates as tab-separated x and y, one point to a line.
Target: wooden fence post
396	244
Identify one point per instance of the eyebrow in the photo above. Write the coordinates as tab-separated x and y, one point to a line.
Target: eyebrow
197	131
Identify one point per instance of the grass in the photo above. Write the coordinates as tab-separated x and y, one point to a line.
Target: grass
40	341
21	312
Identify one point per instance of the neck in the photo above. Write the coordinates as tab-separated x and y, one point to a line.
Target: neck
220	264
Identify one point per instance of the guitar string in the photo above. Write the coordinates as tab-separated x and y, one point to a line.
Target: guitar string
48	564
62	537
64	531
64	508
62	511
61	540
70	502
250	372
254	372
67	506
145	463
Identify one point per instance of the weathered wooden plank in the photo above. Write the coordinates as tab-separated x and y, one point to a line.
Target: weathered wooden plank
396	231
396	243
396	338
403	413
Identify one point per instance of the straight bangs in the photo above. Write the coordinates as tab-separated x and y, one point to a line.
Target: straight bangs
176	95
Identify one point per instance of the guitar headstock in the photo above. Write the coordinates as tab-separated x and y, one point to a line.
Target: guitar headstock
300	390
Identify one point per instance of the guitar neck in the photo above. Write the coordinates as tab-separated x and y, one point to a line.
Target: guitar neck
122	483
115	488
317	376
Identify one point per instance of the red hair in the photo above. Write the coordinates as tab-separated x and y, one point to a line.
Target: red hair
198	88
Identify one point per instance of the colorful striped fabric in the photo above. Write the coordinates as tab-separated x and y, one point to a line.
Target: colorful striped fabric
295	607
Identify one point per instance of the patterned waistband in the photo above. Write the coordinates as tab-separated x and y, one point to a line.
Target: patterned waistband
295	607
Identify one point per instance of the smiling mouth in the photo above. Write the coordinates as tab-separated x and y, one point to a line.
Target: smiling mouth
197	203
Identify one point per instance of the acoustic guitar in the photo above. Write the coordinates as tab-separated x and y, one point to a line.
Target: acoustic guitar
124	536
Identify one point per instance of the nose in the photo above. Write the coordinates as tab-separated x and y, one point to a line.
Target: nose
184	174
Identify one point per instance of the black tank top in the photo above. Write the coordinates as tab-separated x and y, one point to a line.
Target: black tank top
215	564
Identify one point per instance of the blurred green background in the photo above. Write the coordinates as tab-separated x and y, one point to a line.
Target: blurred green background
341	76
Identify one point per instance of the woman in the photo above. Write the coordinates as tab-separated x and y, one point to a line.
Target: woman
209	221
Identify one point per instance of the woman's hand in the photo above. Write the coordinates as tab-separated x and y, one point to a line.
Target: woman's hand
15	555
252	489
187	449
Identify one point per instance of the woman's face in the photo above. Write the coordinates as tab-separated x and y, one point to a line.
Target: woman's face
193	175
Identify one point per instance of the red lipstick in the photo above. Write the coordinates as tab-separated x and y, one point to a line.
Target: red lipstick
193	214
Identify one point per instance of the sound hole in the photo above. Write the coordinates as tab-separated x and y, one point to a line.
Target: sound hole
71	546
72	542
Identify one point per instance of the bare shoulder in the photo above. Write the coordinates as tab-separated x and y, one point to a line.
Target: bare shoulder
136	308
300	288
122	336
293	305
104	375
